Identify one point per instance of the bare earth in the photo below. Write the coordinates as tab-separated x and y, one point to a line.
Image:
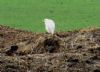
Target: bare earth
76	51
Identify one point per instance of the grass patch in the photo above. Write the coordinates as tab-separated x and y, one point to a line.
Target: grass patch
68	14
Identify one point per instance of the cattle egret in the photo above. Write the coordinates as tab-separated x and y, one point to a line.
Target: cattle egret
49	25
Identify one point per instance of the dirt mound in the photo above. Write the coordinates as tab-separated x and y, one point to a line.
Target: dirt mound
73	51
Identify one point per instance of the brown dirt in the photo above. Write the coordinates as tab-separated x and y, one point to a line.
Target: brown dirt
73	51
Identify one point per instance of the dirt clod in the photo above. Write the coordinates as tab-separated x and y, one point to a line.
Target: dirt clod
97	70
51	45
12	50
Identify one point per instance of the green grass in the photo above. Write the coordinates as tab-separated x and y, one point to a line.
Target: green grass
68	14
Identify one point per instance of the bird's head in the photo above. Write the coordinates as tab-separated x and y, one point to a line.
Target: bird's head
45	20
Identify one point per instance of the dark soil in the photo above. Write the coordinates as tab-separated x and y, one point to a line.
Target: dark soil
72	51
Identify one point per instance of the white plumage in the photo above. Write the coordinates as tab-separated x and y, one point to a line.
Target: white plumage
49	25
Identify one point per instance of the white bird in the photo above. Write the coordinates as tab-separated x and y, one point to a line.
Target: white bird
49	25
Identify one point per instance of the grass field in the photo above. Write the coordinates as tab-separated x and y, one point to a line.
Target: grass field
68	14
